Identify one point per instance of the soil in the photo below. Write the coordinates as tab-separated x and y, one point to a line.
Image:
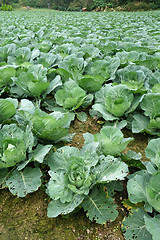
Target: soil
26	218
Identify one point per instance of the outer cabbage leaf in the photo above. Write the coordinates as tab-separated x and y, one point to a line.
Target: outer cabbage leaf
100	111
156	88
56	208
7	108
152	151
40	152
136	187
3	177
21	183
140	123
6	73
110	169
152	225
99	207
111	141
6	50
136	101
58	187
151	105
151	64
47	60
54	83
91	83
81	116
26	105
153	191
38	155
134	226
90	145
155	124
117	124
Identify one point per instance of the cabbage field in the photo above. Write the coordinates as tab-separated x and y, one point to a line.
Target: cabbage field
62	68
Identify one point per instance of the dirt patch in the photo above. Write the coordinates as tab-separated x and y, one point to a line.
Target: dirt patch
26	218
79	128
139	143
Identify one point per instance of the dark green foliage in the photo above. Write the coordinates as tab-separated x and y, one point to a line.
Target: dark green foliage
61	4
77	5
6	7
137	6
154	4
34	3
128	5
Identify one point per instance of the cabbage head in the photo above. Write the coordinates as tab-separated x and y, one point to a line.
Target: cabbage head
113	101
51	126
34	81
71	96
111	141
14	144
75	171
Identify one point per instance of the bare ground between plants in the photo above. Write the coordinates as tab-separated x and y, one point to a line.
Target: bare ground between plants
26	218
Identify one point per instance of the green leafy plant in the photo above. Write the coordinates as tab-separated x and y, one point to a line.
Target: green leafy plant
74	173
111	102
143	186
17	146
6	7
51	127
111	141
71	96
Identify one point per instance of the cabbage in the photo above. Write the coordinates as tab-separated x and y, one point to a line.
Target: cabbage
113	102
14	144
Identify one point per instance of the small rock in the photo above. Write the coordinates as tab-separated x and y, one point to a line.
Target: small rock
88	231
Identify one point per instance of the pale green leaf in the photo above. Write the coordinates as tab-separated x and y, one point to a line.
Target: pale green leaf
99	207
21	183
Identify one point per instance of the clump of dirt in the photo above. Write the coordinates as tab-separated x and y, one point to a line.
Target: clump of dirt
79	128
